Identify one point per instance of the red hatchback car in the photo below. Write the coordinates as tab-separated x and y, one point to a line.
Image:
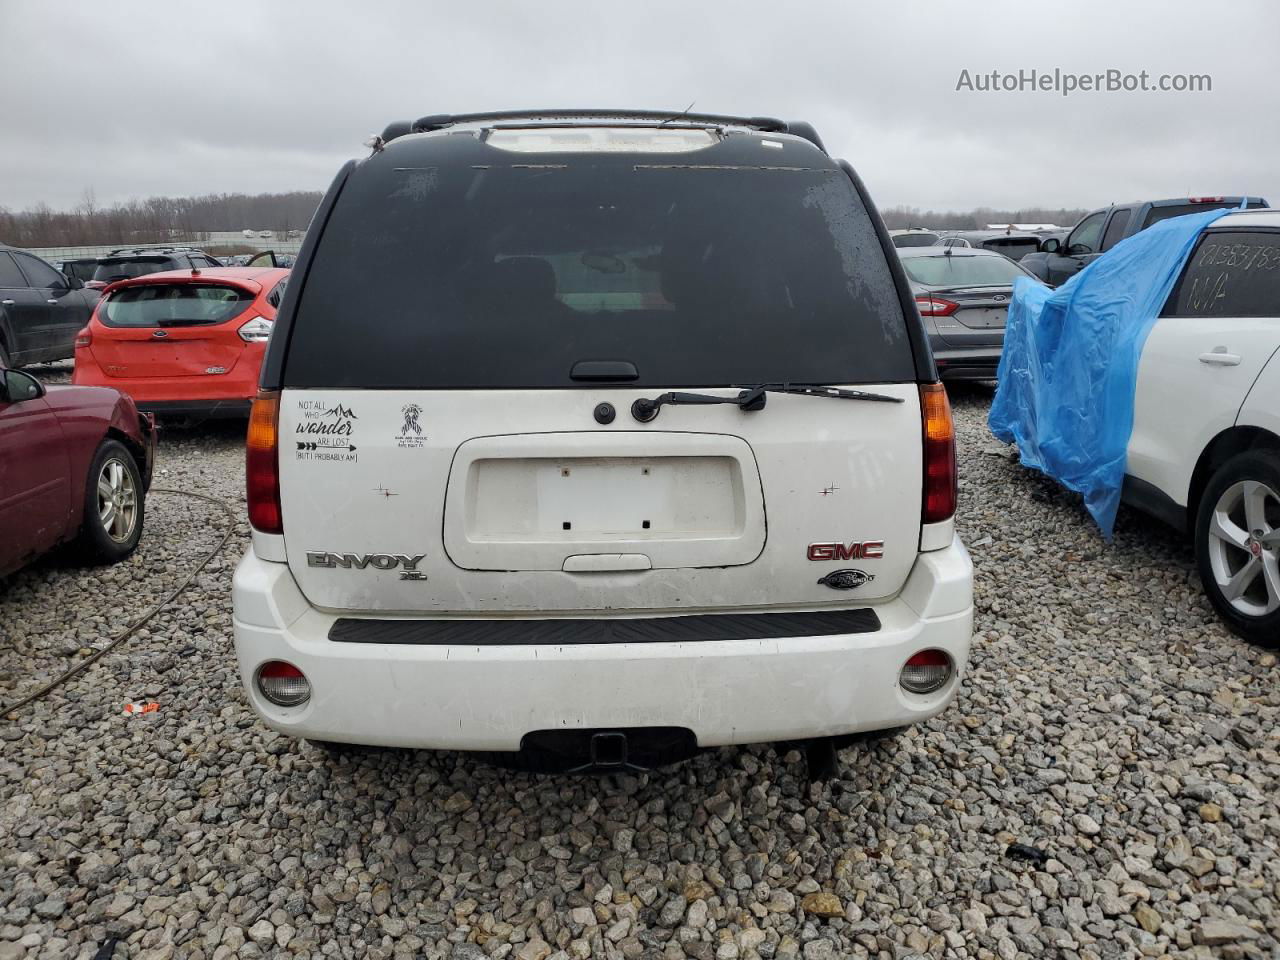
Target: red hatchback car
184	342
75	465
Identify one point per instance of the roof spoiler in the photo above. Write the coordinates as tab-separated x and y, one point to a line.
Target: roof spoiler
440	121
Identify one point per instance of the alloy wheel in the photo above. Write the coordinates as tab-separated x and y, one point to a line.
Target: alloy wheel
1244	547
117	500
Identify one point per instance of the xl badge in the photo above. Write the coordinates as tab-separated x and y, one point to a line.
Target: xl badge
846	579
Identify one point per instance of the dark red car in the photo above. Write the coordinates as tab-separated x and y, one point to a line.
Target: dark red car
75	465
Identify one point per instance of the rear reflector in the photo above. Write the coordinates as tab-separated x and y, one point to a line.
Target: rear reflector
939	454
283	684
262	464
926	672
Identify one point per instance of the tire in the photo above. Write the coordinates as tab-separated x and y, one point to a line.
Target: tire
1237	538
113	474
4	354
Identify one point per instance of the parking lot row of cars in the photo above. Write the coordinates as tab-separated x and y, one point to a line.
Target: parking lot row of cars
167	331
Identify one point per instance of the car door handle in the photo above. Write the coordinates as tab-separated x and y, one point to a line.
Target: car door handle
51	301
1220	358
6	303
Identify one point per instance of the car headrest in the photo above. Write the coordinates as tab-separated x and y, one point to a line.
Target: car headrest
529	279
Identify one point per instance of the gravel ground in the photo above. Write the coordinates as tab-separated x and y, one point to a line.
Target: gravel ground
1107	720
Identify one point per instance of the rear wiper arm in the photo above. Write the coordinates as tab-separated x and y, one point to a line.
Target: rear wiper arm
751	398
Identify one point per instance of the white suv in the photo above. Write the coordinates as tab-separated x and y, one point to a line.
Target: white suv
595	439
1205	450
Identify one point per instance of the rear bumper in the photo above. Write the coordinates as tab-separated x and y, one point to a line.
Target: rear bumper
976	363
490	697
211	409
213	395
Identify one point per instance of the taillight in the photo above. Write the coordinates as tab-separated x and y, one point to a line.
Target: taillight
262	464
939	454
935	306
84	338
257	330
1205	199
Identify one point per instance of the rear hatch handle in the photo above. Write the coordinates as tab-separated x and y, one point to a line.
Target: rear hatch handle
751	398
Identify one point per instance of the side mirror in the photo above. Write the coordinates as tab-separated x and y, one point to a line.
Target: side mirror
19	386
1051	245
75	283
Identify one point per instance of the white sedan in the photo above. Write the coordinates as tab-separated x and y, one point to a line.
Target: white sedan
1205	450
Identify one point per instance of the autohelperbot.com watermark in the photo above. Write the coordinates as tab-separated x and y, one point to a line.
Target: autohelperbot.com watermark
1065	82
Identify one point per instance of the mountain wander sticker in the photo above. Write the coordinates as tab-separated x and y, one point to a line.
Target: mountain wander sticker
324	432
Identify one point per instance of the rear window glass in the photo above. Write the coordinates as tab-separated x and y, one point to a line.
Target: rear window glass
915	240
173	305
958	270
508	274
109	270
1156	214
1231	274
80	269
1013	247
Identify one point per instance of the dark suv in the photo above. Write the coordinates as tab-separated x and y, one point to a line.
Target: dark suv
1097	232
41	309
127	263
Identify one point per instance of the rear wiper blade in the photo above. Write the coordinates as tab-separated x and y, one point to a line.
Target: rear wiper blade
817	390
751	398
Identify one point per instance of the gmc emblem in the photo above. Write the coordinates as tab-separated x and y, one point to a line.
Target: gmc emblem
866	550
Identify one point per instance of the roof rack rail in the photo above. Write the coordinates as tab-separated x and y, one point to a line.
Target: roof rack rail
154	247
439	121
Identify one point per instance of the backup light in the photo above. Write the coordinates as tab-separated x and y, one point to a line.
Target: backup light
926	672
283	684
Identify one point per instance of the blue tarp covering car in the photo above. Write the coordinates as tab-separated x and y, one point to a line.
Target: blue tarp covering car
1070	364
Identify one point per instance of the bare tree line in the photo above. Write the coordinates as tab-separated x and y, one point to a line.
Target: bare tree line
156	219
898	218
162	218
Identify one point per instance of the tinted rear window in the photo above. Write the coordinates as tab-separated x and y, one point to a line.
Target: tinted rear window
80	269
1015	248
173	305
959	270
507	274
915	240
109	270
1156	214
1230	274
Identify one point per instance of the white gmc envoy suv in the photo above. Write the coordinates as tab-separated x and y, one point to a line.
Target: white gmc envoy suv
594	438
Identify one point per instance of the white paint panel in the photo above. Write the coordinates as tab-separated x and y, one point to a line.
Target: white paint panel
813	470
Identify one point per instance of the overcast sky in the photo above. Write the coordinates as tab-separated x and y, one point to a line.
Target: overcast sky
221	96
